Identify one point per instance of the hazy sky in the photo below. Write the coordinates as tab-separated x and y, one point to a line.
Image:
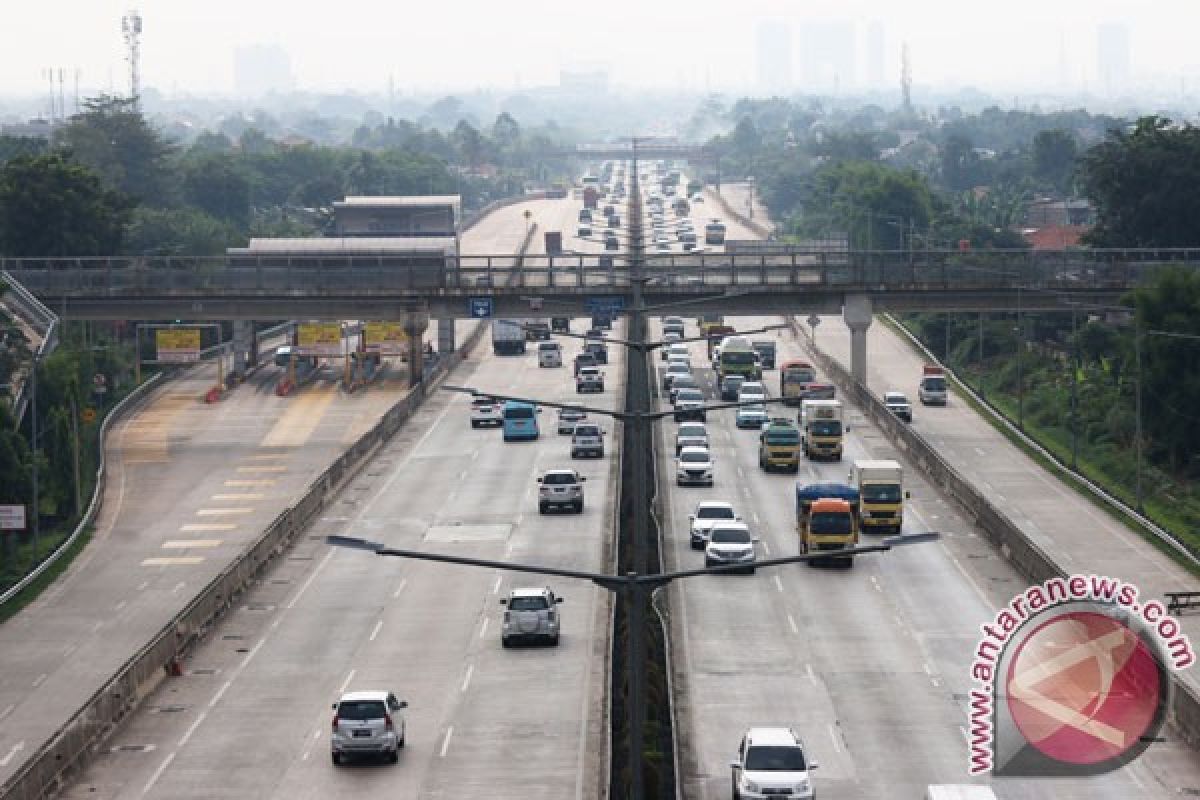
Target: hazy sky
188	45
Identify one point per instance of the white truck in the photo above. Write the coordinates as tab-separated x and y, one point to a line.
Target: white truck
508	337
881	494
821	429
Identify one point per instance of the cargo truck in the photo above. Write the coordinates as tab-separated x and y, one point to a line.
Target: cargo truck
508	337
779	446
881	495
794	375
821	429
932	388
738	357
826	525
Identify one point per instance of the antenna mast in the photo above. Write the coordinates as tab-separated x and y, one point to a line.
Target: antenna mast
906	78
131	27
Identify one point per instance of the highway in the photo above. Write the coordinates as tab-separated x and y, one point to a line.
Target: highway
870	665
190	485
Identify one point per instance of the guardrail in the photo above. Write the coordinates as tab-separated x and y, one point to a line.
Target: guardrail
38	317
67	750
1029	559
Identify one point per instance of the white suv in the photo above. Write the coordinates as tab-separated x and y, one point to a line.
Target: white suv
730	543
485	411
709	513
694	466
549	354
530	614
587	440
771	762
561	487
367	723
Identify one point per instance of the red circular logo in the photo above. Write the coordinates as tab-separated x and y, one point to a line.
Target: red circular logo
1083	688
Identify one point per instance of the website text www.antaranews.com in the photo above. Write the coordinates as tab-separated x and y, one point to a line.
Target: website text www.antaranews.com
1037	600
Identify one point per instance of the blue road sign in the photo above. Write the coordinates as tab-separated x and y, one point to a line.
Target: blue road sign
604	305
481	307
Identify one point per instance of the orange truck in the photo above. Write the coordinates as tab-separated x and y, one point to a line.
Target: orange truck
829	526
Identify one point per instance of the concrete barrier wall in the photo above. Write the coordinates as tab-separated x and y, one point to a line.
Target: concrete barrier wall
742	219
69	750
1029	559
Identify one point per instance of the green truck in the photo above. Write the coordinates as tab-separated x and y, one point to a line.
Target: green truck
779	446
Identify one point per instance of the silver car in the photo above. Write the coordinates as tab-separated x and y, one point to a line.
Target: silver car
531	614
367	723
694	467
561	487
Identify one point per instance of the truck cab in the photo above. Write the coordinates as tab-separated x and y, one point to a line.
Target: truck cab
821	429
830	526
881	494
779	446
931	391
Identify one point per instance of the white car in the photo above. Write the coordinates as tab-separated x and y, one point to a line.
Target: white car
568	418
898	404
673	371
752	392
560	487
730	543
587	440
367	723
690	434
549	354
707	514
486	412
530	614
770	763
694	467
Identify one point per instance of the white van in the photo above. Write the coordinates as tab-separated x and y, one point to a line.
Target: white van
549	354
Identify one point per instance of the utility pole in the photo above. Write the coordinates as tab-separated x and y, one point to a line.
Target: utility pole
1074	390
1137	350
1020	376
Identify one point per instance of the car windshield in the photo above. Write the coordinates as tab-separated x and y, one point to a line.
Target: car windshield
784	436
827	427
729	536
558	479
715	512
679	369
693	429
522	412
528	603
737	357
830	522
691	395
361	709
775	759
733	382
587	430
694	458
881	493
570	413
685	382
935	384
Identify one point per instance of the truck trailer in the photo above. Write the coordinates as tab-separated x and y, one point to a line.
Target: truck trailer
881	494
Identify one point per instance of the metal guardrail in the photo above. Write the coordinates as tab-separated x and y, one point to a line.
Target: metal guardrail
118	411
37	316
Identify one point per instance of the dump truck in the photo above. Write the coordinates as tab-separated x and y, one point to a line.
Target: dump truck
779	446
826	525
821	429
881	494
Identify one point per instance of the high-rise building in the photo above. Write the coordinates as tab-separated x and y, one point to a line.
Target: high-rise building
1112	57
828	56
773	56
262	68
876	55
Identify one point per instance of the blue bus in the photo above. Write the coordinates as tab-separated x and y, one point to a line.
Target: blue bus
520	421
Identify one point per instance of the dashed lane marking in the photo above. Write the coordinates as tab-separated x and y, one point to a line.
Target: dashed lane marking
199	527
222	512
263	468
251	482
187	544
174	561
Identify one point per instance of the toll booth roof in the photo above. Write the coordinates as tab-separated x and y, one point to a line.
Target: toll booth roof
350	245
399	201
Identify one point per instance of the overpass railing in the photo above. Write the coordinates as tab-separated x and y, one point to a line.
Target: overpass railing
425	273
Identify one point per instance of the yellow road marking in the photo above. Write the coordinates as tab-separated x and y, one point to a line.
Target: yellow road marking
262	482
172	561
200	527
221	512
186	544
266	456
304	412
272	468
237	497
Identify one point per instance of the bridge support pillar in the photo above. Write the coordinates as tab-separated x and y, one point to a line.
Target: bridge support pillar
414	327
857	312
445	335
244	355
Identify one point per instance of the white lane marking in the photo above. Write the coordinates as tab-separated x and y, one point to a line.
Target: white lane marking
875	583
496	585
966	738
741	473
928	671
766	546
142	586
311	578
179	586
792	623
7	710
778	583
346	682
253	652
462	476
980	451
16	748
38	680
467	679
192	728
971	581
446	741
483	628
158	773
754	514
400	588
812	676
375	630
397	473
217	697
121	605
97	625
833	735
746	491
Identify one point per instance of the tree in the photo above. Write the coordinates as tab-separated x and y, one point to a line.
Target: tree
960	163
158	231
1142	186
113	138
13	146
1054	154
50	206
219	186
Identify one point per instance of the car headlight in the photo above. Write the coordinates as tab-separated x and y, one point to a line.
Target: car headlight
751	786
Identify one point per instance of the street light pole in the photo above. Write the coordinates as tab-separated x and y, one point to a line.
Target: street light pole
1137	350
1020	377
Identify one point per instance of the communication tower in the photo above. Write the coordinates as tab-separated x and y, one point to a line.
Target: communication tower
131	27
906	78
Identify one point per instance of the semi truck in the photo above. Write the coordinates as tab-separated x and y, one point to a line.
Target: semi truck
932	388
821	429
881	494
826	525
779	446
508	337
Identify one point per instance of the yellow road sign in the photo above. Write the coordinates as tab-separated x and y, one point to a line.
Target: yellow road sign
319	338
179	345
88	415
385	338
